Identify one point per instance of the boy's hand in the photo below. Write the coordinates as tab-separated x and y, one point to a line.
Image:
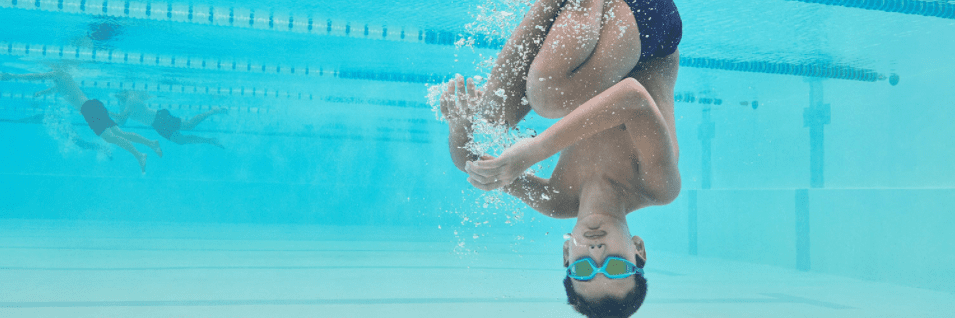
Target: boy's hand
458	105
491	173
459	101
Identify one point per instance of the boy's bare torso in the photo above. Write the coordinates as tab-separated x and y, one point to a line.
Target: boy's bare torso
607	158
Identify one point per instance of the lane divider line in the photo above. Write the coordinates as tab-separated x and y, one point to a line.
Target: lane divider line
112	56
925	8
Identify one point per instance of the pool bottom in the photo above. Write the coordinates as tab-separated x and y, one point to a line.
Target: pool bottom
97	269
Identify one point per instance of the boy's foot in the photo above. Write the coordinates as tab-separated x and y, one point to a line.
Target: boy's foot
215	142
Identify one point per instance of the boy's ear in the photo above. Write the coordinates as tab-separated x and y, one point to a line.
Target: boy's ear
566	253
641	250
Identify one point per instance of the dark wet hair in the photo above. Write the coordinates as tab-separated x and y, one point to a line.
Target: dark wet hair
609	306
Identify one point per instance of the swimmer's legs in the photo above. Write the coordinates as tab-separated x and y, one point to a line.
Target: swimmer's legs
190	139
134	137
110	136
194	121
92	146
590	48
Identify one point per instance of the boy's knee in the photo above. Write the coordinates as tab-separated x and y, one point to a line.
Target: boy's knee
550	96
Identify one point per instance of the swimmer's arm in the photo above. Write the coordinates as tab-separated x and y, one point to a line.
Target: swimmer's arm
121	118
28	77
45	92
509	74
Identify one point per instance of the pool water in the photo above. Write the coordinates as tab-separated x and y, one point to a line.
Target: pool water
815	142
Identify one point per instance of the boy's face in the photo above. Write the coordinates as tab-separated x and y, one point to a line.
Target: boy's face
598	237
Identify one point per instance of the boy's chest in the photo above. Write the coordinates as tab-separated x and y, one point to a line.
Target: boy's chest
608	157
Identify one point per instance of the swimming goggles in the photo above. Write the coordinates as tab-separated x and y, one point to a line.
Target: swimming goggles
614	268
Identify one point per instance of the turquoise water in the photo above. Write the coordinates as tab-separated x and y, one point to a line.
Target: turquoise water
814	183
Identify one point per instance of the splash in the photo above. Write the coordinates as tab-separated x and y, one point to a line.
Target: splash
493	22
58	126
495	19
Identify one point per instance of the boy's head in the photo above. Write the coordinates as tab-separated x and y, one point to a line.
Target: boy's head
599	237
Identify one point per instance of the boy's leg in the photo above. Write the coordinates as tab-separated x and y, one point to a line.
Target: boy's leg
134	137
511	67
658	76
110	136
583	55
190	139
194	121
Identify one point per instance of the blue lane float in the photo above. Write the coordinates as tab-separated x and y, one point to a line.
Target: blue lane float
913	7
818	69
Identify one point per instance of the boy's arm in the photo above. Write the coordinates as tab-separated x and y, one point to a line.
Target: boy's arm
537	193
627	103
509	74
534	191
457	108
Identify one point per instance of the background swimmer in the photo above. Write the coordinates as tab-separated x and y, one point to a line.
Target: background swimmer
168	126
93	111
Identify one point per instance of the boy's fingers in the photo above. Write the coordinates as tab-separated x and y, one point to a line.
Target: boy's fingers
472	91
481	179
449	99
443	104
470	168
486	165
461	93
486	176
478	184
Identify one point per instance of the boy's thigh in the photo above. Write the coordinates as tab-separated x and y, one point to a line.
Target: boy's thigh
658	76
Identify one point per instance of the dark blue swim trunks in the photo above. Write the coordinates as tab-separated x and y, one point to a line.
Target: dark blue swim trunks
166	124
661	28
96	116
